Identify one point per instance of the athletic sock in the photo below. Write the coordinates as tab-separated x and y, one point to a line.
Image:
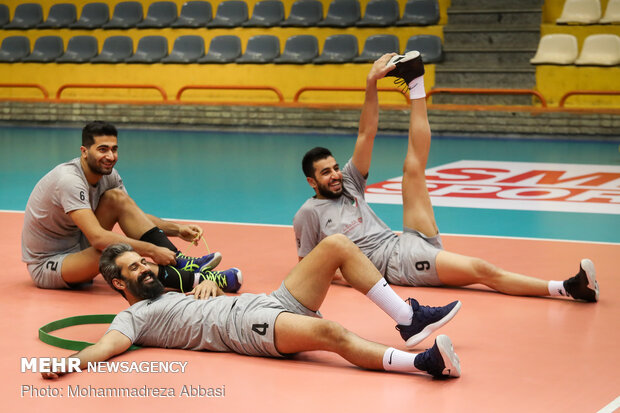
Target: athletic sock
416	88
556	289
398	360
175	278
156	236
387	300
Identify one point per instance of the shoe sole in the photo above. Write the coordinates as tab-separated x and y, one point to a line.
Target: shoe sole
217	257
416	339
588	268
407	57
450	359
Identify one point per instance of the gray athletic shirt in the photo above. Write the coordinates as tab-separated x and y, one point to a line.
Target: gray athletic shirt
349	215
48	230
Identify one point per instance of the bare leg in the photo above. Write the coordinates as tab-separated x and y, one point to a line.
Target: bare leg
116	206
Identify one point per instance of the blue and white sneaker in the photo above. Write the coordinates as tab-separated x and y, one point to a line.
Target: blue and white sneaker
426	320
229	280
583	286
440	361
193	264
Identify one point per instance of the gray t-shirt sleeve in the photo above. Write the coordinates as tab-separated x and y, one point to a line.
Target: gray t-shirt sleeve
125	324
353	180
73	193
307	230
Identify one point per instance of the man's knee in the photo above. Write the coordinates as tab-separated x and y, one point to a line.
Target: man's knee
484	270
339	243
412	167
332	333
116	198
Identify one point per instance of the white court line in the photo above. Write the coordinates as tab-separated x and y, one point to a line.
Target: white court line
250	224
611	407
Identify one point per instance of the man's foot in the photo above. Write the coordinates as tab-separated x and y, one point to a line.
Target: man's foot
228	280
583	286
440	360
194	264
426	320
408	66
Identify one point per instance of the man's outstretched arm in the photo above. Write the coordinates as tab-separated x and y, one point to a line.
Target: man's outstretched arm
110	345
369	120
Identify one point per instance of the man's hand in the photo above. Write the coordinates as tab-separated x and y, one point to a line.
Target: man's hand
190	233
51	376
162	255
379	68
205	290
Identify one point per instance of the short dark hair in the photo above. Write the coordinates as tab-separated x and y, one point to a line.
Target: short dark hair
107	263
313	155
97	128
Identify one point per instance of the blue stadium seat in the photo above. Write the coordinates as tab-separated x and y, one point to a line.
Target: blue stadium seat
376	46
223	49
127	15
80	49
428	45
338	48
266	13
230	13
263	48
14	49
299	49
60	15
159	14
151	49
116	49
94	16
420	13
304	13
27	16
194	14
380	13
46	49
186	49
341	13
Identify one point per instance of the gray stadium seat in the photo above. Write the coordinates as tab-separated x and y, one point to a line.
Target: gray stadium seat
304	13
230	13
27	16
266	13
94	16
116	49
341	13
151	49
4	15
60	15
194	14
380	13
80	49
127	15
159	14
428	45
186	49
299	49
262	48
46	49
338	48
223	49
14	49
376	46
420	13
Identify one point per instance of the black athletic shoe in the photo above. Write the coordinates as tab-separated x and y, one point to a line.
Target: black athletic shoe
583	286
408	66
426	320
440	361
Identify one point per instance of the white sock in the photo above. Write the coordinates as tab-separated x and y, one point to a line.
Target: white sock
387	300
416	88
556	288
197	279
398	360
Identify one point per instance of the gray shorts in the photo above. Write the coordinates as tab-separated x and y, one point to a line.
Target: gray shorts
47	272
252	320
412	262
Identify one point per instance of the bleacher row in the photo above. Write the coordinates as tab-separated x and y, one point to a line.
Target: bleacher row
230	13
562	49
589	12
299	49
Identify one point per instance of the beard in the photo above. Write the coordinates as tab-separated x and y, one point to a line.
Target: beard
328	193
95	167
145	291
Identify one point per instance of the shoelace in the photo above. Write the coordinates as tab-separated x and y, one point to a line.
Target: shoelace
217	277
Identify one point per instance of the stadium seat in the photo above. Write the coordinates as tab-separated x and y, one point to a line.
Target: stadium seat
380	13
376	46
263	48
14	49
428	45
194	14
186	49
60	15
94	16
299	49
420	13
580	12
266	13
46	49
223	49
127	15
230	13
600	50
159	14
304	13
612	13
4	15
116	49
338	48
556	49
27	16
151	49
341	13
80	49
